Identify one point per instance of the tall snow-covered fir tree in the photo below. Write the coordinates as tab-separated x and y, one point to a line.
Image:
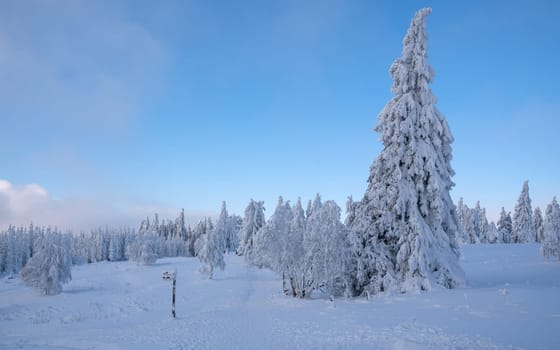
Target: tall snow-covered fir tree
505	226
180	227
469	222
253	221
406	221
494	236
270	245
551	242
202	229
224	231
522	229
464	221
330	263
211	251
481	224
538	225
296	277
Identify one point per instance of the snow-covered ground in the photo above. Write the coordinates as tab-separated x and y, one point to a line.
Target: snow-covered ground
512	301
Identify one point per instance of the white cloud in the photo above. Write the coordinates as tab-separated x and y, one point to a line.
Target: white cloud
21	205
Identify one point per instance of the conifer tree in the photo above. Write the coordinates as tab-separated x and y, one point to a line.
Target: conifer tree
538	225
463	221
470	222
50	267
551	242
211	254
494	235
223	230
253	221
505	226
481	224
406	221
296	276
330	263
180	227
270	245
522	229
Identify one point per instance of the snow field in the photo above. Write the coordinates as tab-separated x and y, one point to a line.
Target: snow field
512	301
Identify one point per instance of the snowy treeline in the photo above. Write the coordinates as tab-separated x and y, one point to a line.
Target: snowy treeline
27	246
42	255
475	228
19	245
524	226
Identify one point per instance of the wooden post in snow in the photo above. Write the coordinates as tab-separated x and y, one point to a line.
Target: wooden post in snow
172	276
173	306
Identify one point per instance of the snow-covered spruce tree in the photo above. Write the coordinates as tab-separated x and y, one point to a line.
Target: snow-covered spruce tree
303	248
350	211
522	229
406	220
211	253
12	251
235	223
203	228
180	227
330	263
3	251
505	226
50	266
196	237
551	242
538	225
144	226
117	246
102	242
296	275
225	229
481	224
463	215
493	235
469	224
270	246
253	221
475	234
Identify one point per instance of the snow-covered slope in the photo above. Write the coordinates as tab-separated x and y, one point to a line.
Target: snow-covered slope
512	301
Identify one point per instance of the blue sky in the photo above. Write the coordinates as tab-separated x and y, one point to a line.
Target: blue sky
115	109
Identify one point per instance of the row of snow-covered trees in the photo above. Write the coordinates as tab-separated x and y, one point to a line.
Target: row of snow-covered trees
25	249
19	245
401	235
152	240
42	255
309	248
524	226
